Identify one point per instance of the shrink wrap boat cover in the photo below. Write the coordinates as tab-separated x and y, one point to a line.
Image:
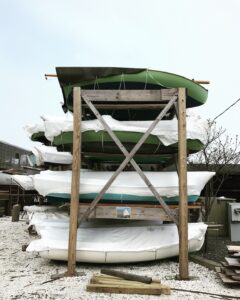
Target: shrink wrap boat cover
42	213
117	243
166	130
34	128
130	183
48	154
5	179
25	181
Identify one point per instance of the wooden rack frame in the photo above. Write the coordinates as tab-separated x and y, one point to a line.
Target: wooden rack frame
167	98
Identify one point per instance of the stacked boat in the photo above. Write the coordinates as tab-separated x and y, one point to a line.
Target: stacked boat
129	125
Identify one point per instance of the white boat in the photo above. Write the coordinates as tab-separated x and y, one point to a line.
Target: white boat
114	243
25	181
128	186
5	179
48	154
166	130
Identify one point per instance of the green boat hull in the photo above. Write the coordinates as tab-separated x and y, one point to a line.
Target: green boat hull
102	137
40	137
99	147
125	78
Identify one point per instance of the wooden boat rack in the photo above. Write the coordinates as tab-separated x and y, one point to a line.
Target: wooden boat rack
166	99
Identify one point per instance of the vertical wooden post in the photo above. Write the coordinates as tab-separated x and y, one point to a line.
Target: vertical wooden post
75	182
183	197
15	213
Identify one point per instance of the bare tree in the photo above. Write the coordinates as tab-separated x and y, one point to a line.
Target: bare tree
220	153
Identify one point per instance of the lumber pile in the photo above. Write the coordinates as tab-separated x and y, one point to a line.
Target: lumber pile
102	283
230	270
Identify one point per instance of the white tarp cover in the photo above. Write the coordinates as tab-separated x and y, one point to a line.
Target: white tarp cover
53	216
25	181
37	214
5	179
128	183
34	128
116	244
49	219
40	208
50	154
166	130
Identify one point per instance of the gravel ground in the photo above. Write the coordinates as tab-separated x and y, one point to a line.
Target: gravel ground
23	274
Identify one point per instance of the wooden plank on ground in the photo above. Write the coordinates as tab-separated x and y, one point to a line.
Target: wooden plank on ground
210	264
233	262
111	284
229	272
236	277
233	248
218	269
124	289
228	280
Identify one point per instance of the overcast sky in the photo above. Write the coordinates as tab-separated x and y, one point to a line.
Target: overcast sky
196	39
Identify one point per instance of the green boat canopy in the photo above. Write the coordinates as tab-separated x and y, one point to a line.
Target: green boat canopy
125	78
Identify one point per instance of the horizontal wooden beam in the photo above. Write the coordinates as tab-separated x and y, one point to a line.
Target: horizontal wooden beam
129	212
144	155
202	81
162	95
126	212
127	106
196	205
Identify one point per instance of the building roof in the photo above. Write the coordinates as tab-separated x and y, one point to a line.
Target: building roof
14	146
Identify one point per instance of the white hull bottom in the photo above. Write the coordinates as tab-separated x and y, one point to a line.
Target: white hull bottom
117	244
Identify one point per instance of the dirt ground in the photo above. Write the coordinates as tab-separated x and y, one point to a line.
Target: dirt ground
216	248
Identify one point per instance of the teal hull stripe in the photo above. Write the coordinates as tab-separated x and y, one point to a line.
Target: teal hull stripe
116	198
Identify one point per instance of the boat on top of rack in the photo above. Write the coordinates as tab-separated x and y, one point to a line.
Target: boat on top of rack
107	78
128	187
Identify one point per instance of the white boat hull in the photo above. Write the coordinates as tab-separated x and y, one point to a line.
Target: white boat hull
117	244
127	183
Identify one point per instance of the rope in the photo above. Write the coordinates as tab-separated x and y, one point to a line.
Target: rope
102	141
96	83
234	103
122	81
159	144
62	140
155	79
146	79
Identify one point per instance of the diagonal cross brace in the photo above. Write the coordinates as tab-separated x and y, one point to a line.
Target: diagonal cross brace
129	158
